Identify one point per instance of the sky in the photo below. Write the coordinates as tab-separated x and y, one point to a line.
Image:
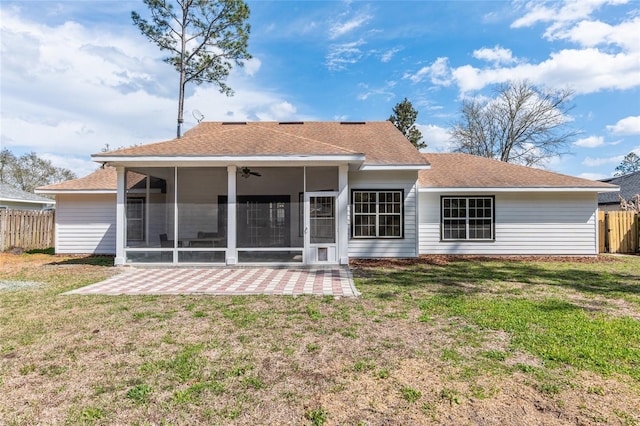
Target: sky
77	76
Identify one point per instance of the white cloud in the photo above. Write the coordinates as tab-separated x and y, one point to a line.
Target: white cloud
593	176
437	138
595	162
626	126
586	71
388	55
496	55
559	13
252	66
438	73
590	142
248	104
341	55
587	68
595	33
386	91
80	166
339	29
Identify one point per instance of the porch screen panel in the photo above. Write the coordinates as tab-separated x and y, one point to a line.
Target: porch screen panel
201	218
264	221
149	214
149	207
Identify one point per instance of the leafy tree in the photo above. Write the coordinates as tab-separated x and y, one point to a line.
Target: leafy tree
630	164
523	124
404	118
202	38
29	171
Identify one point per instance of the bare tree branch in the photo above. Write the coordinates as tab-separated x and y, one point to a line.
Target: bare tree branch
521	124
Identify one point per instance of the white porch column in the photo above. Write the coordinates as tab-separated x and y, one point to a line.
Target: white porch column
343	214
231	216
120	217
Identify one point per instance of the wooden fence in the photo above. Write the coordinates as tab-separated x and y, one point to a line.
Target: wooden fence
619	232
27	229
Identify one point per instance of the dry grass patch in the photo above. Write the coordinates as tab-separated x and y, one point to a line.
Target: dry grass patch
393	356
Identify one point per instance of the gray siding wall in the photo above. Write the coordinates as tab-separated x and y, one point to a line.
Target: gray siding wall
525	224
392	180
86	224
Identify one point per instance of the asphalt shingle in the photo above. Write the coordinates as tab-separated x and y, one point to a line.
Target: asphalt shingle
456	170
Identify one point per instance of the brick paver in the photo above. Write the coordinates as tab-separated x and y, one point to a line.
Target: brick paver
227	281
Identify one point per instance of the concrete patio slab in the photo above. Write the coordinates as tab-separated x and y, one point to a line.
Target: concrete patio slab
337	282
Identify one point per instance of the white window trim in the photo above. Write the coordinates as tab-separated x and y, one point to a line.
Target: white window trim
378	214
467	236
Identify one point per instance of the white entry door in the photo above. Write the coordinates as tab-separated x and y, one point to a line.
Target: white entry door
320	228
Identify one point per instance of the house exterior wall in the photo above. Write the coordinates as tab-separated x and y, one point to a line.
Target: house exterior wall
86	223
526	223
391	247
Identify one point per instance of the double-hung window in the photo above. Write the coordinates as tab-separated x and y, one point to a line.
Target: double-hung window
377	214
467	218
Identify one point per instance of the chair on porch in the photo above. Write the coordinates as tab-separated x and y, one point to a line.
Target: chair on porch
164	242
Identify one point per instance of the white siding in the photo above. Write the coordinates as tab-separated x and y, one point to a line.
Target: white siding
376	180
525	224
86	224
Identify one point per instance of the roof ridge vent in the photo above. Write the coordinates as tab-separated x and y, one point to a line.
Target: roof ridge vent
284	123
233	123
353	122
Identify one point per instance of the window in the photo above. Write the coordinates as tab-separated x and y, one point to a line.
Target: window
377	214
135	219
467	218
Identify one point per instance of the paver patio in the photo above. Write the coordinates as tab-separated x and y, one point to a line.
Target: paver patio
336	282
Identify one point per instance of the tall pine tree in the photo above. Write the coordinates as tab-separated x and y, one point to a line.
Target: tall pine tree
404	118
202	37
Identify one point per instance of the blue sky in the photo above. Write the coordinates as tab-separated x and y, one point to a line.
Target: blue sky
76	75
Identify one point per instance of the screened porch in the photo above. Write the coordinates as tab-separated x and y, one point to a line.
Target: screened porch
182	215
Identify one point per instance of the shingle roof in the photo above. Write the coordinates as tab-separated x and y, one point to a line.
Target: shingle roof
101	180
450	170
629	186
455	170
8	192
379	141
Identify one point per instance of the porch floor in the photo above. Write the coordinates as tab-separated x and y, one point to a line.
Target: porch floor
336	281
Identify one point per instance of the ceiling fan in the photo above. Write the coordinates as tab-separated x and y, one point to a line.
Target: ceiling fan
245	172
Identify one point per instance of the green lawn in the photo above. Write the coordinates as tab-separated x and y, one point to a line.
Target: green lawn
438	341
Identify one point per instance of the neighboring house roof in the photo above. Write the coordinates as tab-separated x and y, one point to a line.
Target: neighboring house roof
464	172
103	180
629	186
10	193
374	143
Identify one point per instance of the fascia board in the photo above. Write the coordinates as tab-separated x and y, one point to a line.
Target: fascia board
75	191
516	189
372	167
228	159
